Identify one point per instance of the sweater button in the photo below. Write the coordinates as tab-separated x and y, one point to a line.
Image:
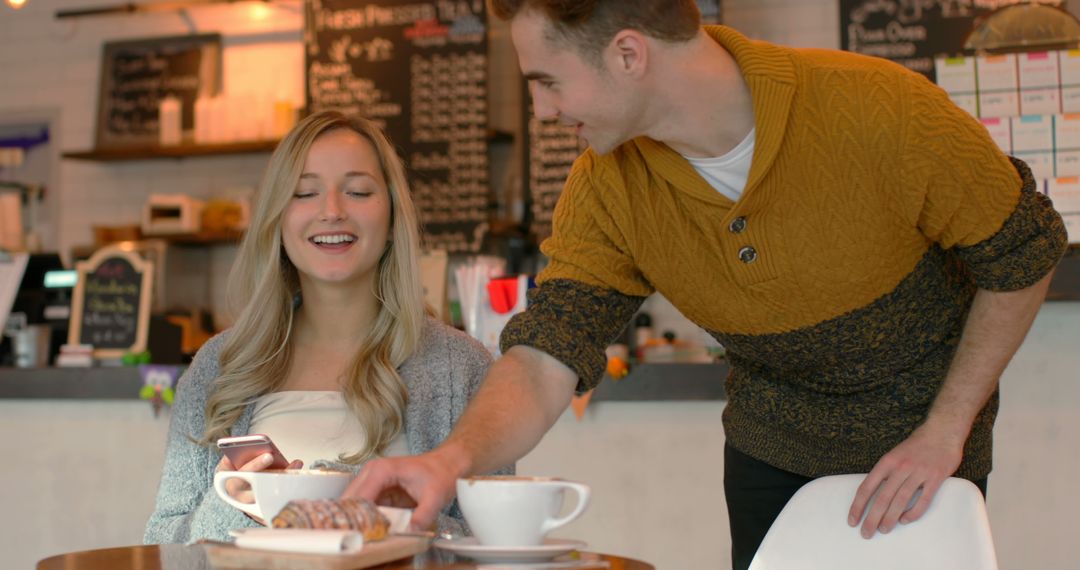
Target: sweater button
748	254
737	225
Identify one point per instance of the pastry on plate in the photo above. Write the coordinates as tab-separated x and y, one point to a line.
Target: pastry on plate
354	514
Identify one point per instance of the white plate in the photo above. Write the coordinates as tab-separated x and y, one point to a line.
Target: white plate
470	547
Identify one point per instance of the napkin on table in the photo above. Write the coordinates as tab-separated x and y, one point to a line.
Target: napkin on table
304	540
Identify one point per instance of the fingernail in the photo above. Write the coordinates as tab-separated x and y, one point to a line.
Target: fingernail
867	533
851	520
266	459
884	530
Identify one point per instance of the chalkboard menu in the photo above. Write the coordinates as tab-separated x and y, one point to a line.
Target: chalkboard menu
420	70
912	32
111	305
136	75
552	149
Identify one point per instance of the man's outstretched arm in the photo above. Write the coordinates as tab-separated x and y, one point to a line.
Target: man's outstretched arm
522	396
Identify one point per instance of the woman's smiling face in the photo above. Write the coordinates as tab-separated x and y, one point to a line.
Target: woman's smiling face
337	224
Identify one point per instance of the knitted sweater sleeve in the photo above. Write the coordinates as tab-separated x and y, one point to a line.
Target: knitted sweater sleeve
187	508
592	286
964	193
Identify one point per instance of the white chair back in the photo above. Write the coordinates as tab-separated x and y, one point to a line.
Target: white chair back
812	533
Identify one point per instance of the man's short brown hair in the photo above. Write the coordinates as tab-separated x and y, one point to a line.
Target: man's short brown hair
589	25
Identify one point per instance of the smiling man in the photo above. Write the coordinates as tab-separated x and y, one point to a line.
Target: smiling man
868	257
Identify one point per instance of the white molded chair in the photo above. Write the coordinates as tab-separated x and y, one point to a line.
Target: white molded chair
812	533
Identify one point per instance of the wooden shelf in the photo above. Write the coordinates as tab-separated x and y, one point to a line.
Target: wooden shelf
178	151
187	149
202	238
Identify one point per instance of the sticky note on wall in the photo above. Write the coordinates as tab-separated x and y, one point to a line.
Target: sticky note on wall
998	85
1069	66
1033	142
956	75
1040	83
1067	145
1001	131
1065	194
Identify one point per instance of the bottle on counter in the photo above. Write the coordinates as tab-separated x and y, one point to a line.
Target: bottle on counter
170	121
203	119
284	115
643	333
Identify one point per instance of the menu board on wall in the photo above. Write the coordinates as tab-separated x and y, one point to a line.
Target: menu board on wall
137	74
419	69
551	149
110	308
912	32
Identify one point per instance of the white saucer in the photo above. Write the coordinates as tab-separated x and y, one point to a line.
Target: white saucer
470	547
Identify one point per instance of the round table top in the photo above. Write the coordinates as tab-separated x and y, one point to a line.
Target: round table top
181	557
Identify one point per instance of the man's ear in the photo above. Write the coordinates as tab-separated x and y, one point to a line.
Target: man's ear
630	51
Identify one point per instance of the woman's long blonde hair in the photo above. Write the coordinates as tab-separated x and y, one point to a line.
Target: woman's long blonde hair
264	283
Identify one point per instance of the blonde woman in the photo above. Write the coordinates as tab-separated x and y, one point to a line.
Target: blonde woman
333	354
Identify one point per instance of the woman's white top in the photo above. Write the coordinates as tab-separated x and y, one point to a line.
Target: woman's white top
313	425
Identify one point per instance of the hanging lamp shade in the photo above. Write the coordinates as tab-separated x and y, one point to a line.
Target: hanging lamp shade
1025	27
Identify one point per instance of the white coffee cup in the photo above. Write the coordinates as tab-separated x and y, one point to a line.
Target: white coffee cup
516	511
272	490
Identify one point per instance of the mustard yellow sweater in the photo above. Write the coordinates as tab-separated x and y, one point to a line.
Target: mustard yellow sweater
838	283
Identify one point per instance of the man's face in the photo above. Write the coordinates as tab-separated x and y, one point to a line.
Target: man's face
567	88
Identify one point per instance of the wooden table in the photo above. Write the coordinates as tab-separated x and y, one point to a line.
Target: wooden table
180	557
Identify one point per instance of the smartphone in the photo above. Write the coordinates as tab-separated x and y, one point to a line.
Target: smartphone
243	448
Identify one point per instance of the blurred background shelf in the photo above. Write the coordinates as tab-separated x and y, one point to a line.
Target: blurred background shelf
202	238
193	150
178	151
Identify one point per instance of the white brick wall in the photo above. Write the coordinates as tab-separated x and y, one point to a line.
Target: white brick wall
50	67
802	23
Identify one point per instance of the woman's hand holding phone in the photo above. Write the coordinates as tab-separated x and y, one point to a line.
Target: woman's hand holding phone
240	490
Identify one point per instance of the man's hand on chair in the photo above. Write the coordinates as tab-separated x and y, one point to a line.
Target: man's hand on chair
922	461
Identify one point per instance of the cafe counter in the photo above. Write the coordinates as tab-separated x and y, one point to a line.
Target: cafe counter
647	382
85	453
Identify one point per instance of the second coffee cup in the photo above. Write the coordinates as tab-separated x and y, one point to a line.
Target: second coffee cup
517	511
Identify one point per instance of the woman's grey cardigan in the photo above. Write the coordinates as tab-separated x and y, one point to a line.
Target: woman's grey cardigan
441	377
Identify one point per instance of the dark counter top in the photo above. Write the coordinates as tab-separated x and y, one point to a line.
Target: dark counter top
665	382
99	383
1065	285
647	382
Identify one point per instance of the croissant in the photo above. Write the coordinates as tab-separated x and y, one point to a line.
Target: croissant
356	514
